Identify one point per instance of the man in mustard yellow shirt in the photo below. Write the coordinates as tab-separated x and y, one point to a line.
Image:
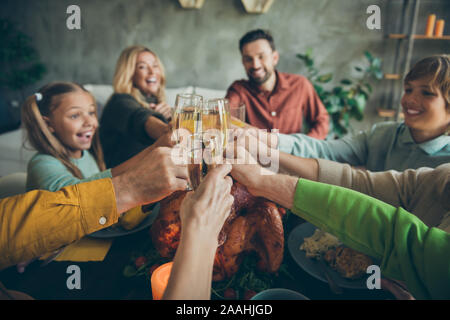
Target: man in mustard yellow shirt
40	221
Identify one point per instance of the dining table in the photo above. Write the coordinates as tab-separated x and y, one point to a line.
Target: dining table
105	280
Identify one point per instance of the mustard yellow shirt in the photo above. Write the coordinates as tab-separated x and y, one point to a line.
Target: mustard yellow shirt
39	221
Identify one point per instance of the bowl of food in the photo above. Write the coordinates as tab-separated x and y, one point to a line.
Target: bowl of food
279	294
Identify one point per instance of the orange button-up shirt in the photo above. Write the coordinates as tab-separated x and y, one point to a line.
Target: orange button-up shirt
292	100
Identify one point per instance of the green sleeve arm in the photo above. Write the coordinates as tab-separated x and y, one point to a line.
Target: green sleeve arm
50	174
407	248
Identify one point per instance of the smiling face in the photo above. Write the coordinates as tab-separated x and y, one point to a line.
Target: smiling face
74	121
147	75
259	60
426	112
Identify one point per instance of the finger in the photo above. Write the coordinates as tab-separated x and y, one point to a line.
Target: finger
225	212
221	171
180	184
229	180
158	106
181	172
211	186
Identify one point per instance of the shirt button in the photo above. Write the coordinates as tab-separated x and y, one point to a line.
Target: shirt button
273	113
102	220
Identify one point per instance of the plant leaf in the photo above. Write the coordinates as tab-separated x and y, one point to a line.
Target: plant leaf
368	55
325	78
346	81
369	87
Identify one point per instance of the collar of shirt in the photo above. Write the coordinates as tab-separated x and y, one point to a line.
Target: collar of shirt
430	147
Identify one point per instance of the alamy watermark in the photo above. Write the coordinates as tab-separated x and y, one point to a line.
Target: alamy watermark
242	148
374	20
374	280
74	280
73	22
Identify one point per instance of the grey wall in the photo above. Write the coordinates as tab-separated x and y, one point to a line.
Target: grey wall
200	47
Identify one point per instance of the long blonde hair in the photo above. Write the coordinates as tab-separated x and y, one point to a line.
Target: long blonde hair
38	133
125	69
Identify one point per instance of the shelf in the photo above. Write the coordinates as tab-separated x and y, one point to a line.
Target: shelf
392	76
418	36
257	6
388	113
191	4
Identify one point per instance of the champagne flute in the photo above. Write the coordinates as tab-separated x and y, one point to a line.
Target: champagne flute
215	121
187	122
187	114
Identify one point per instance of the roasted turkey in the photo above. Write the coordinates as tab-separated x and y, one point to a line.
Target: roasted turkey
254	225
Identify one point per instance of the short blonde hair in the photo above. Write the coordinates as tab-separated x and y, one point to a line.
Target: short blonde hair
438	69
125	69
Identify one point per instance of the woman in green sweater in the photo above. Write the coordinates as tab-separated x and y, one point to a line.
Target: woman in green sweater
408	250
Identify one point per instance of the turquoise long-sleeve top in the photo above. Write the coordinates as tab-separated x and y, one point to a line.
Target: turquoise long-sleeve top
48	173
386	146
408	249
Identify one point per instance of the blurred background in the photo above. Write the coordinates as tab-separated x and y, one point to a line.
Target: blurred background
199	47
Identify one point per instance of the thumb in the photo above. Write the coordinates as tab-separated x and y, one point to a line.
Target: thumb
221	171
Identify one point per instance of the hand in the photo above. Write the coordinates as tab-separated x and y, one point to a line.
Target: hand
155	127
152	178
204	211
247	171
168	139
257	142
397	289
262	182
162	108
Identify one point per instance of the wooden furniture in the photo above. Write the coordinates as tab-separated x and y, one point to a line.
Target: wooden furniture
191	4
257	6
403	54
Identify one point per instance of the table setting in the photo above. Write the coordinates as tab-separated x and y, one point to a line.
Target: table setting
132	259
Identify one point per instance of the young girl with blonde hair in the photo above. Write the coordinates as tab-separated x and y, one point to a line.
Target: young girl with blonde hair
61	125
137	113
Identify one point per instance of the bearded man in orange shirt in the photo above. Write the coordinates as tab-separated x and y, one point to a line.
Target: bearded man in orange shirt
274	99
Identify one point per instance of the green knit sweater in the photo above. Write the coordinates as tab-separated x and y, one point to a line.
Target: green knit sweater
408	249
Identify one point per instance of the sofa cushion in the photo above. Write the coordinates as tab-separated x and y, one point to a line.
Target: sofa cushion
210	93
102	92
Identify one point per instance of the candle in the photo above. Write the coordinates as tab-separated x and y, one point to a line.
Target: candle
159	280
430	25
439	30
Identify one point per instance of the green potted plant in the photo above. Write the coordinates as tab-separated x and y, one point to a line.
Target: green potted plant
18	59
20	67
348	99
